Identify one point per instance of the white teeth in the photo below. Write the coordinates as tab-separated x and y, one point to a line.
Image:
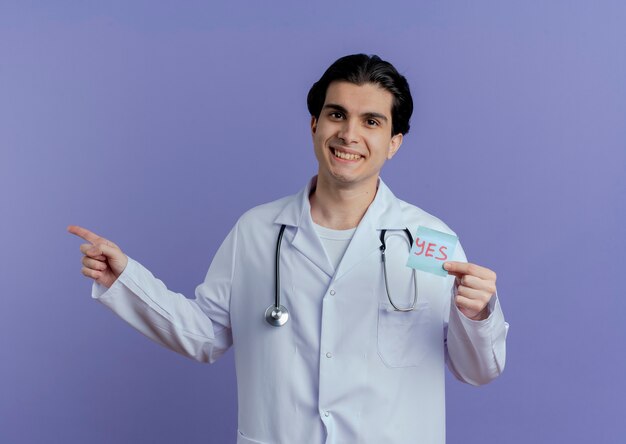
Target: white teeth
346	156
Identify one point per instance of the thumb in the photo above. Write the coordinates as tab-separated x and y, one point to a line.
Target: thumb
116	259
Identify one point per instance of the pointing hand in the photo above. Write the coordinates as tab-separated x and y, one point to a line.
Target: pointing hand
103	261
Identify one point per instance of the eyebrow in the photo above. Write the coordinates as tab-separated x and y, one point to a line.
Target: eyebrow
345	111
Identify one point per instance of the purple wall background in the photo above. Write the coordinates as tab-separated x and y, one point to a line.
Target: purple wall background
157	124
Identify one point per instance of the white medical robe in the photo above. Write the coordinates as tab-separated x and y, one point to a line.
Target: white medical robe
346	368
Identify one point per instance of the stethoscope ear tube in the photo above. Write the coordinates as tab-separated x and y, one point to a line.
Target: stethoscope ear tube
383	246
277	315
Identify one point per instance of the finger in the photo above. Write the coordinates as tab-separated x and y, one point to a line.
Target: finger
470	293
477	283
94	274
94	264
109	249
460	268
458	274
93	251
84	233
469	304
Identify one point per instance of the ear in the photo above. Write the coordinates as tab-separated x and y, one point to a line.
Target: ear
394	145
313	125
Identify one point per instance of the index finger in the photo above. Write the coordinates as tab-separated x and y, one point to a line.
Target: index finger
459	268
84	233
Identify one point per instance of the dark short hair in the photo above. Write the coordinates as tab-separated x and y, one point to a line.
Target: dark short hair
360	69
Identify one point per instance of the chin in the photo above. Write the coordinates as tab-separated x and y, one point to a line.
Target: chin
344	179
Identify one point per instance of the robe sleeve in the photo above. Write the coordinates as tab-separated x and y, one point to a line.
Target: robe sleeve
475	350
196	328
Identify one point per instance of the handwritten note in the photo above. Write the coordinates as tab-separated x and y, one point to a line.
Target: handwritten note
430	250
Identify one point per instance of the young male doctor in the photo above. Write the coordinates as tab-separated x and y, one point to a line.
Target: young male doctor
357	352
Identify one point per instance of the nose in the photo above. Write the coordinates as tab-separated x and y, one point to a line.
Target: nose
348	132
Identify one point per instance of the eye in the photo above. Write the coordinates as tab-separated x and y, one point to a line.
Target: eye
336	115
372	122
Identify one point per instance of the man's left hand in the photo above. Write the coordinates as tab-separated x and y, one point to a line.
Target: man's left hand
476	286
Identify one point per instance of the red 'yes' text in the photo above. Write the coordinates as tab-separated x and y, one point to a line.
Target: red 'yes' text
428	250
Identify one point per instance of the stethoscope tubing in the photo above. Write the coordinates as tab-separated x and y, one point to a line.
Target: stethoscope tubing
383	248
277	266
277	315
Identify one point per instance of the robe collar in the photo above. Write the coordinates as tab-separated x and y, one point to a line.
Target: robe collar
383	213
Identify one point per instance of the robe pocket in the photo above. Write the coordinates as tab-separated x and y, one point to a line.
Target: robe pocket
403	336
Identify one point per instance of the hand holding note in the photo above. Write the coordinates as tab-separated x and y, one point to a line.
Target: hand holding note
475	287
475	284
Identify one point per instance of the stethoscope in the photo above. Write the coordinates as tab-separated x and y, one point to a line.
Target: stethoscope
277	315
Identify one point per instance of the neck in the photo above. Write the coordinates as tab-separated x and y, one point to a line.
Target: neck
340	208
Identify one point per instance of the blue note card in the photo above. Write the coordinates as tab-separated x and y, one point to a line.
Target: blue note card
430	250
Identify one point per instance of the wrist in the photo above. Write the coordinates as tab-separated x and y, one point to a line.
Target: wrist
481	316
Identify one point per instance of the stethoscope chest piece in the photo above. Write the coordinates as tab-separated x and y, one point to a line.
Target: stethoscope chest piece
276	316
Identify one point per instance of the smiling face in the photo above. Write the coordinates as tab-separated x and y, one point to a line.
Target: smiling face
352	136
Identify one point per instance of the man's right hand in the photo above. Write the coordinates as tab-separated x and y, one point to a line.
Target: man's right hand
103	261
